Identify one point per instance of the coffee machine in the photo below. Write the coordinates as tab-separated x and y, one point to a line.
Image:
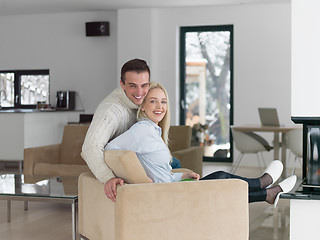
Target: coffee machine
66	100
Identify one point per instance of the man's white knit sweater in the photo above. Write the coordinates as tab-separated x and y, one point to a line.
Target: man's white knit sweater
114	115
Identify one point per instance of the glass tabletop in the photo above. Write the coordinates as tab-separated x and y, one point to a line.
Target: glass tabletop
59	187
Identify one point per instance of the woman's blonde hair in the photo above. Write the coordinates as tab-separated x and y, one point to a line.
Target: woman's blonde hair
165	122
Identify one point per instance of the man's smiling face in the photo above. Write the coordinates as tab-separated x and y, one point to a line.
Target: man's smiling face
136	86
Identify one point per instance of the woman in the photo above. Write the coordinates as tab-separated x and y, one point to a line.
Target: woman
149	139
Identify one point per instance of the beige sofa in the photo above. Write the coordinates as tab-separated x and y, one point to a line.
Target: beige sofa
59	159
203	210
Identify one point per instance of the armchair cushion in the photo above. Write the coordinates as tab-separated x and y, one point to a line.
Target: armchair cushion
58	159
43	154
72	140
179	137
126	165
48	169
191	158
180	148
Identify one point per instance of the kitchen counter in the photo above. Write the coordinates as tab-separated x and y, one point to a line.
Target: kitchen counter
34	110
24	128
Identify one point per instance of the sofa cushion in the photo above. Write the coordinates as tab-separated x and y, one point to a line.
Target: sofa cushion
126	165
71	144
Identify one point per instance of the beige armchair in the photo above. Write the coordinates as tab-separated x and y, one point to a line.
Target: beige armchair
184	210
180	147
57	160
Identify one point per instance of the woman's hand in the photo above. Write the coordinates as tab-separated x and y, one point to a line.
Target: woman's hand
190	175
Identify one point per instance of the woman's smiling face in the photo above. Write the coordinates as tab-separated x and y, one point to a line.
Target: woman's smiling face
155	106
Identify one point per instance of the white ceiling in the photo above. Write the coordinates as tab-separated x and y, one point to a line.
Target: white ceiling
8	7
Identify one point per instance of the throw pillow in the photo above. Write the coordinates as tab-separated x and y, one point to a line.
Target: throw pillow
126	165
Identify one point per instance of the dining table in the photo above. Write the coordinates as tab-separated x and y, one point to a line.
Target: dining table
278	132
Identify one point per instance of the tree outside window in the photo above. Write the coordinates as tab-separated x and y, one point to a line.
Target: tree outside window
206	83
24	88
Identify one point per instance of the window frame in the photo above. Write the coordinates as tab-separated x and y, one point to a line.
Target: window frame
17	86
182	71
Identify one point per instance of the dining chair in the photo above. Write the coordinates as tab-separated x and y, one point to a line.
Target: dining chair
249	143
294	143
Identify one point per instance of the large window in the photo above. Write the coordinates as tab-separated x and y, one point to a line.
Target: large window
206	59
24	88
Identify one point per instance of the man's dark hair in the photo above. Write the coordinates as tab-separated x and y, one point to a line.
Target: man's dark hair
134	65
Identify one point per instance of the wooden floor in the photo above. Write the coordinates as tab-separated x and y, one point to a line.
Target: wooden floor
42	221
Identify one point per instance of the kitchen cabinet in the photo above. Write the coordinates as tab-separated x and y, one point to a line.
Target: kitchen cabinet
31	128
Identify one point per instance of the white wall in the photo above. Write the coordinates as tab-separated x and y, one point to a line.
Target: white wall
134	27
262	52
87	65
91	66
305	58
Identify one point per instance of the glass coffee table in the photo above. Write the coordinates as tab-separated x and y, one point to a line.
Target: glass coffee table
58	190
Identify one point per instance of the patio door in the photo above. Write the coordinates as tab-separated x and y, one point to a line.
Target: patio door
206	88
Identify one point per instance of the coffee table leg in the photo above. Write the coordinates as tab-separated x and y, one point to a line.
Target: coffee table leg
26	205
20	167
74	230
9	210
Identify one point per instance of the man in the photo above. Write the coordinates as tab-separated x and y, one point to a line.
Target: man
114	115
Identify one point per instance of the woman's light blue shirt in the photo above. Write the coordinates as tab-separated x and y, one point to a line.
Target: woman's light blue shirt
144	138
